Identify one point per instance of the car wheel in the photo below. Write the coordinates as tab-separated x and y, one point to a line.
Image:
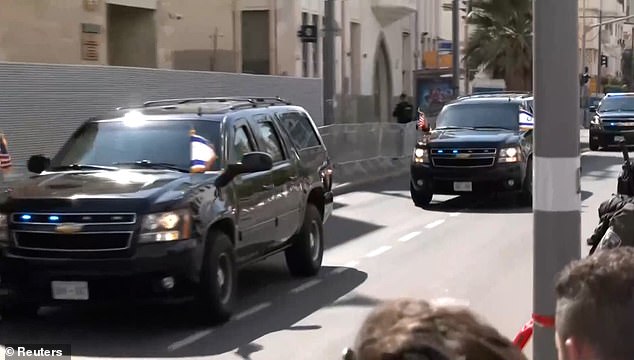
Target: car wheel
305	256
218	280
526	196
19	310
594	146
421	198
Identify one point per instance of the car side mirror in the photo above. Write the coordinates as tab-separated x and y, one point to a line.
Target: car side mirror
592	108
251	163
38	163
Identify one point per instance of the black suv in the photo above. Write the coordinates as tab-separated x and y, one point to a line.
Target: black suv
481	144
613	121
123	213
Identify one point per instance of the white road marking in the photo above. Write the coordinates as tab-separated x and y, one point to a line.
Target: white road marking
434	224
455	214
189	340
252	310
305	286
378	251
409	236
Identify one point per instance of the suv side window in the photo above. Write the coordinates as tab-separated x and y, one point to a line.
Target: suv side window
272	143
300	129
242	143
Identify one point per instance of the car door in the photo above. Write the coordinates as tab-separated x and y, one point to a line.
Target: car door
254	193
284	175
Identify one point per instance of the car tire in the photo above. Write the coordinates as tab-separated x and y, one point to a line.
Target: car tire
306	253
526	196
218	279
594	146
19	310
421	198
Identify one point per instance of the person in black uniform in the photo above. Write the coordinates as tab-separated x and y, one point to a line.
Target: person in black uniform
404	111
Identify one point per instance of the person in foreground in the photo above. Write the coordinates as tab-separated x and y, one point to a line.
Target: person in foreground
595	307
408	329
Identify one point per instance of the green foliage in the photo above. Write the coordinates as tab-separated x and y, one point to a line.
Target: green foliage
501	41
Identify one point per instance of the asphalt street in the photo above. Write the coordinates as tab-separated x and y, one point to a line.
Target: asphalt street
379	246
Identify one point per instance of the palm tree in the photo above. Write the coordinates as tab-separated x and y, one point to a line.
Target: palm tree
502	40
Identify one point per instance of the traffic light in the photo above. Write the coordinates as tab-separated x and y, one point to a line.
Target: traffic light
604	60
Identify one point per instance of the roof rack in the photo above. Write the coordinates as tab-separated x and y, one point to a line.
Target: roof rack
254	101
487	93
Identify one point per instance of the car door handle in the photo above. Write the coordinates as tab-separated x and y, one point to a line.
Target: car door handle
293	177
268	187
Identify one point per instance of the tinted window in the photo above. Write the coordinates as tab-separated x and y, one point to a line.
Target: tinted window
272	143
617	103
485	115
241	144
300	129
166	141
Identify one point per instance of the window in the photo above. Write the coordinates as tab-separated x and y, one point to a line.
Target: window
299	128
165	141
304	48
272	143
241	144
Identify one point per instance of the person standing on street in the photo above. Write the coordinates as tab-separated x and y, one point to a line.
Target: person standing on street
403	111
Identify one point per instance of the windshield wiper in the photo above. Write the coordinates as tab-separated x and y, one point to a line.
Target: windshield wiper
455	128
153	165
492	128
83	167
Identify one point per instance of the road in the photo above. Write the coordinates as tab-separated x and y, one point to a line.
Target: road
379	246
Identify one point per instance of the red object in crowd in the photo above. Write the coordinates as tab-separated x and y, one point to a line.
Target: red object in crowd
525	334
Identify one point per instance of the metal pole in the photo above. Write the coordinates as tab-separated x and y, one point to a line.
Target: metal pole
455	46
329	62
466	42
600	48
556	196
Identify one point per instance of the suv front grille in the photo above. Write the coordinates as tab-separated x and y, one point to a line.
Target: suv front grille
618	124
76	235
47	241
462	158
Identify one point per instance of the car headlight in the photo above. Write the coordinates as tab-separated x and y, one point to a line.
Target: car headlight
595	120
166	226
421	156
4	230
509	155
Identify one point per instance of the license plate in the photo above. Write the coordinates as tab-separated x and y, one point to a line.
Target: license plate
70	290
462	186
619	138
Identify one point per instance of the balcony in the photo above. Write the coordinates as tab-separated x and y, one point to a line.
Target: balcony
389	11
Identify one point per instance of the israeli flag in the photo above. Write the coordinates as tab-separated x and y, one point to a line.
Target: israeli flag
526	119
202	153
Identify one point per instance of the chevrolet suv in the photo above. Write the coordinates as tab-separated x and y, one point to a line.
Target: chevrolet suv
613	121
481	144
167	201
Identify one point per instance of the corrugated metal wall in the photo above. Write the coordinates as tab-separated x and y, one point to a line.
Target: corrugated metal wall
40	105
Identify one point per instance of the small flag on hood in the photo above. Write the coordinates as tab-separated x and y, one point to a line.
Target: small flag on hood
203	154
5	158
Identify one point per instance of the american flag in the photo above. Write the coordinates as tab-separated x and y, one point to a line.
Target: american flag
422	121
5	158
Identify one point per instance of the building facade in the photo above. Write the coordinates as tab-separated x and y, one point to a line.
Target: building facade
378	46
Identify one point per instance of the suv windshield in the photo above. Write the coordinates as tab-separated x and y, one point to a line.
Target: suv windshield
151	144
483	115
617	103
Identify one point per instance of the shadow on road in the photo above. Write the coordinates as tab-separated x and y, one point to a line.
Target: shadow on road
167	331
339	230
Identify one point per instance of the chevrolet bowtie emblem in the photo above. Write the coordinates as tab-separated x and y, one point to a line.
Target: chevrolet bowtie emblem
463	155
68	228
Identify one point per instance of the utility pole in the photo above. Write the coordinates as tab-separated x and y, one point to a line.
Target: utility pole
329	62
599	86
556	190
455	45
